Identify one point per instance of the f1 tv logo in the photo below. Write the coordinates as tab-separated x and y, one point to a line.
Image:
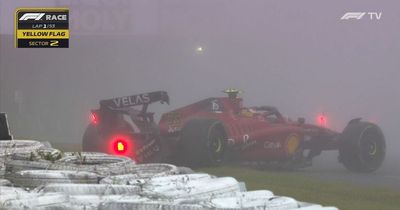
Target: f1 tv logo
361	15
32	16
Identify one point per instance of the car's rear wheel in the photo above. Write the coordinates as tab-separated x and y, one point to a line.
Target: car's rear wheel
91	140
95	141
362	147
142	148
203	142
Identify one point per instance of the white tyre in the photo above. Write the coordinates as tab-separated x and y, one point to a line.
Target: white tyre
104	165
143	172
90	189
251	199
93	201
162	205
153	170
37	201
194	190
5	182
34	178
19	146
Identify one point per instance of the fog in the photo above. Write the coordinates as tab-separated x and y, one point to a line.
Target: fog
296	55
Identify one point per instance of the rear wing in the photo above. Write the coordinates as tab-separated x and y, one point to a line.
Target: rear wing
135	100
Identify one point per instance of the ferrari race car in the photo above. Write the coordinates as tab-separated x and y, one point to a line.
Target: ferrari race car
215	130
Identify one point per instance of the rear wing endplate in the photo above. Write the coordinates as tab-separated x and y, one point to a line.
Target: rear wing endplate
4	128
135	100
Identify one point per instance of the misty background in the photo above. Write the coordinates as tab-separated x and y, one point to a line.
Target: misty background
296	55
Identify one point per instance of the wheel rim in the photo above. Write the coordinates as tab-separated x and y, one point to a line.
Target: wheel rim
216	146
372	150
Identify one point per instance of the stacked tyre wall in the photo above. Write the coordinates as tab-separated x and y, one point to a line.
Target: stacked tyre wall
33	175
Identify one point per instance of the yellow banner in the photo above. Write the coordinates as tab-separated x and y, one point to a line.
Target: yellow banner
42	34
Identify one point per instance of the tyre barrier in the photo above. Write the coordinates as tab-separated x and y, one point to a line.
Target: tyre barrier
93	201
2	168
50	154
185	170
13	166
312	206
20	149
142	173
11	147
149	170
129	205
102	165
35	178
178	179
37	201
71	181
276	203
194	190
5	182
125	179
83	154
242	200
90	189
9	193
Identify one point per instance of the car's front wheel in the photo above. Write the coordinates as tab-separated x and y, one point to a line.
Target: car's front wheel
362	147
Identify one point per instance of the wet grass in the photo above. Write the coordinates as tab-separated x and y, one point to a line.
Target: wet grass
298	185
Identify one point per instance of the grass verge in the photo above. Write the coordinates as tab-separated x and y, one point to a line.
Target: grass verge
301	187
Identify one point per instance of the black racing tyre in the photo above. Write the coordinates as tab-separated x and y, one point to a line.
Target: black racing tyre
362	147
94	141
91	140
203	142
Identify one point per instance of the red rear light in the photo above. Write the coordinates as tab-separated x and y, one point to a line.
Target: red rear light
120	146
93	118
322	121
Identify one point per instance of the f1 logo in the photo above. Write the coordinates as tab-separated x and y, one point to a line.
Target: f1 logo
353	15
360	15
32	16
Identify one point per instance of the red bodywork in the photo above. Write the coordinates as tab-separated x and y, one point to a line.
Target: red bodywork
213	130
254	134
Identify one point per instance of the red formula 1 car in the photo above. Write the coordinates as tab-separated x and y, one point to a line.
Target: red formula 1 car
214	130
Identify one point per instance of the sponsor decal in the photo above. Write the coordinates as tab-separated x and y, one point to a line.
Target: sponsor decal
131	100
247	142
147	151
174	121
292	143
42	28
272	145
216	106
